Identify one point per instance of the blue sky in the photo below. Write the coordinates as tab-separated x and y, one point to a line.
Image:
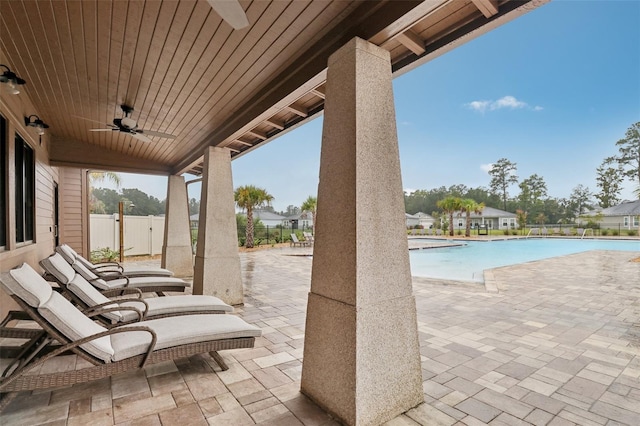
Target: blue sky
551	91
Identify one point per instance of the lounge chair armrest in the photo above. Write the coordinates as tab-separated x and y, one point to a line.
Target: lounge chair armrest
103	269
95	311
15	316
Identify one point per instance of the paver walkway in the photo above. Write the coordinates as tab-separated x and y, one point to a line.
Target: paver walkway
558	344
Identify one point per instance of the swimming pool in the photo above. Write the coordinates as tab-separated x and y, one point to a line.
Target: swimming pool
468	262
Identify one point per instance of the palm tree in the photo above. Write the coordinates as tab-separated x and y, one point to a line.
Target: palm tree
469	206
310	205
450	205
247	198
97	177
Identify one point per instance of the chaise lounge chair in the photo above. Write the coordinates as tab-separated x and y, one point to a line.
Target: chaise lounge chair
130	309
296	242
111	351
116	281
107	268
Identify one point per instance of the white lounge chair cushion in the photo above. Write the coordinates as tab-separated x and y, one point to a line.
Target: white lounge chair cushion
72	323
176	304
67	253
92	297
27	284
181	330
57	266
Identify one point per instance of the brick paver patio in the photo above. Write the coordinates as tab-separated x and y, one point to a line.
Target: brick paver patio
558	344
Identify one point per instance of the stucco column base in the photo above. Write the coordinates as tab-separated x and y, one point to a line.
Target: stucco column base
217	276
371	351
176	249
178	259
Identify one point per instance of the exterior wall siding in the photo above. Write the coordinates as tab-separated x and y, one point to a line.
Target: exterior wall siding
43	241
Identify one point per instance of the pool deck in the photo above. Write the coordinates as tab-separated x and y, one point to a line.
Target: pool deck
556	343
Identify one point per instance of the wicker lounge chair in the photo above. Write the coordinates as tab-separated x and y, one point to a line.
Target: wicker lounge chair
115	281
133	308
107	268
111	351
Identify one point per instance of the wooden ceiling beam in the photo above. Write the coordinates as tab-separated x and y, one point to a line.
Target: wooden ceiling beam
412	41
243	142
67	152
487	7
298	110
258	134
319	92
274	122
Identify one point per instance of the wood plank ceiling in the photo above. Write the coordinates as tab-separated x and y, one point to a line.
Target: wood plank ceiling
188	73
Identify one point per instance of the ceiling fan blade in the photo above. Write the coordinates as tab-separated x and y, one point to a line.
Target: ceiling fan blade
102	130
140	137
159	134
231	11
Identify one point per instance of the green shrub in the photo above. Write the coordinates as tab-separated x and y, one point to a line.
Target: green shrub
506	232
632	232
615	233
104	254
604	232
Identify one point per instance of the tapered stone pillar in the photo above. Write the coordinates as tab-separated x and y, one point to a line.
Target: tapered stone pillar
177	255
361	353
217	270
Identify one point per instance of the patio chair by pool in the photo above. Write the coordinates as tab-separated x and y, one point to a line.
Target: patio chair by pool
308	237
108	268
567	232
147	284
296	242
110	351
129	309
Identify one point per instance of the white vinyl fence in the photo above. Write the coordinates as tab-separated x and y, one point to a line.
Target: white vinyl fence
143	235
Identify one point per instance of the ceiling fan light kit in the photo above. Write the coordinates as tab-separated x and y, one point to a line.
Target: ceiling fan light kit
128	125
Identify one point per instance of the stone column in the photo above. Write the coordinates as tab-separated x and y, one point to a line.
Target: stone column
361	353
177	255
217	270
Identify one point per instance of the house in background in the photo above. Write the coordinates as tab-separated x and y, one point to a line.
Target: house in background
302	220
625	215
491	217
268	218
412	220
425	220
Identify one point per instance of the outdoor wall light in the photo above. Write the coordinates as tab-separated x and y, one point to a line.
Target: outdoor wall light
11	79
38	124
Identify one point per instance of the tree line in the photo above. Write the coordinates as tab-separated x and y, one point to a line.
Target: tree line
533	198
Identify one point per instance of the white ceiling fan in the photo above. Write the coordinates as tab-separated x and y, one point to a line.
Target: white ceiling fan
231	11
128	125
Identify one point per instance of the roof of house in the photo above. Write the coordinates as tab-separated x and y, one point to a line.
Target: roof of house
493	212
267	215
626	208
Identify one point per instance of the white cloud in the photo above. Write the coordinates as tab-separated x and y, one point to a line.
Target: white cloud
479	105
486	167
409	190
506	102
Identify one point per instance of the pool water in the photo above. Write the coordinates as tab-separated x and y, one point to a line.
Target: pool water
468	262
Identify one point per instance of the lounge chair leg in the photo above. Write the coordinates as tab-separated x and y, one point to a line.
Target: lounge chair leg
218	359
6	398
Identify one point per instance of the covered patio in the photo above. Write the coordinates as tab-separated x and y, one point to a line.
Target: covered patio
172	88
557	345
